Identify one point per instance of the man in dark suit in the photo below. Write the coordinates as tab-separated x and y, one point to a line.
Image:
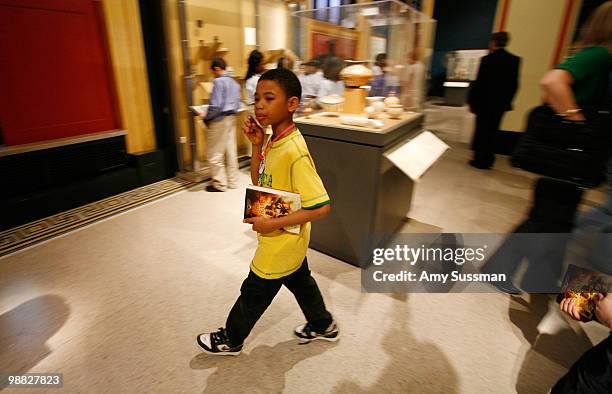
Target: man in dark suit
490	96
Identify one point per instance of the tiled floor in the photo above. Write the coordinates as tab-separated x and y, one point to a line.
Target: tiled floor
41	230
116	306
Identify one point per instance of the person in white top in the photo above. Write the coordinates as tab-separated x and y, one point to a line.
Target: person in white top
331	83
311	79
256	68
329	87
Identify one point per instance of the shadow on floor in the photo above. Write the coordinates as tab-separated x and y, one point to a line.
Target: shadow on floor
25	329
263	369
413	366
562	348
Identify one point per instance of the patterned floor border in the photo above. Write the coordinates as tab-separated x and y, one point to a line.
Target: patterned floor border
29	234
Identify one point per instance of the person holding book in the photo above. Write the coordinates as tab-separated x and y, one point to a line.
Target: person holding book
592	373
283	163
220	120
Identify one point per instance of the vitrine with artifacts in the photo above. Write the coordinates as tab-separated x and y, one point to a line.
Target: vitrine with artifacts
390	38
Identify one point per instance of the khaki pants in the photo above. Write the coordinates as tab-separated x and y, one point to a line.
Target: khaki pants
221	147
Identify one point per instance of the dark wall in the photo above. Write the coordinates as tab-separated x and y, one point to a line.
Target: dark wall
461	25
159	87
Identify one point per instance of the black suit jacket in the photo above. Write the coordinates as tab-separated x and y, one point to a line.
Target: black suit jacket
496	83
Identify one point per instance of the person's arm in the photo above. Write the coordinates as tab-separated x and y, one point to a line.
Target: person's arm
264	226
255	160
557	85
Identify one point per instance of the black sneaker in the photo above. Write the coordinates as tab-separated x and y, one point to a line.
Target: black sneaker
506	287
211	188
218	343
305	333
478	165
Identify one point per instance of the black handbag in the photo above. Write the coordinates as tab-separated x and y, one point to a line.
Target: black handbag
571	151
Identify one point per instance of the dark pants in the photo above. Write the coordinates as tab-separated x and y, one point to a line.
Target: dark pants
592	238
483	144
554	208
256	294
592	373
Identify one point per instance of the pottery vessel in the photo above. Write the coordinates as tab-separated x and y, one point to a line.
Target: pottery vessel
356	75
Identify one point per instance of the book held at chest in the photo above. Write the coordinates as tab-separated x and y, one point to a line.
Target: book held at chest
271	203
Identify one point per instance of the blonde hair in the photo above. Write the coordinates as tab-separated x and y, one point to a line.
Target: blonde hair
598	28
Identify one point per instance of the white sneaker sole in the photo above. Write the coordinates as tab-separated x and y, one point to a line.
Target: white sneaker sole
220	353
305	340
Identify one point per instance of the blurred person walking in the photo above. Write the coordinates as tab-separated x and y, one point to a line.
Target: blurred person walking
577	92
490	96
220	120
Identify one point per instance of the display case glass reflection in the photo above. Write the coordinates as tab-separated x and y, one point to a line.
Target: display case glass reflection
389	37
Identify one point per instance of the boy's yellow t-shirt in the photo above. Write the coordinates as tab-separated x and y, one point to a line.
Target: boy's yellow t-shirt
288	167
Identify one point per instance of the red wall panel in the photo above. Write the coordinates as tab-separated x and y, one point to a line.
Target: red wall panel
54	71
346	48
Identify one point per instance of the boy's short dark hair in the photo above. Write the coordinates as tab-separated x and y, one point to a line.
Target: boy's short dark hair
218	62
286	79
500	38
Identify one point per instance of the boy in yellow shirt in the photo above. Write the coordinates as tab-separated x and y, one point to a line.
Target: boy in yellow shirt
280	161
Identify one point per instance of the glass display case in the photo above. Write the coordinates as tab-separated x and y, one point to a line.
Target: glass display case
389	37
463	64
384	49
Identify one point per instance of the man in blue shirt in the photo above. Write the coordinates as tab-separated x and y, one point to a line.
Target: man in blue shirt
220	120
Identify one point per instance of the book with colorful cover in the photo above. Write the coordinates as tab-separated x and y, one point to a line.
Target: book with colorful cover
583	285
271	203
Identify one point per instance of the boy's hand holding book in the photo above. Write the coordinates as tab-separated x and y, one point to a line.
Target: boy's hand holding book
262	225
570	306
268	209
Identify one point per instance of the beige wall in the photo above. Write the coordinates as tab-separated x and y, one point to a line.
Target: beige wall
273	24
180	112
122	19
223	19
534	27
226	20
